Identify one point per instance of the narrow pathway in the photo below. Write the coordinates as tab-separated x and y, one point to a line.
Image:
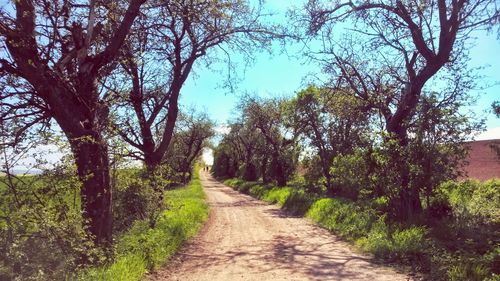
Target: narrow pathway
246	239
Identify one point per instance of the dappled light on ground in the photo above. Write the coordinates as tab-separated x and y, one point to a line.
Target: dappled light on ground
246	239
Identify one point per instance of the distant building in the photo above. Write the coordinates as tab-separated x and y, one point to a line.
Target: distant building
484	162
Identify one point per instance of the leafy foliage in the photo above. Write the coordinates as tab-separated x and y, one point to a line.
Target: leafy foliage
41	228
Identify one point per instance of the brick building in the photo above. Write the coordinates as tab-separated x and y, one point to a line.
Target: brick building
484	162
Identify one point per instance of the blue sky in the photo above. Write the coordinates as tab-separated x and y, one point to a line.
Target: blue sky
285	74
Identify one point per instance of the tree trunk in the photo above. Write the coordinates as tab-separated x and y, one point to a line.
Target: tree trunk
91	157
151	161
263	170
279	171
409	196
325	167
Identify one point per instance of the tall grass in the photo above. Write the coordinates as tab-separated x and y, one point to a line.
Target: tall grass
143	249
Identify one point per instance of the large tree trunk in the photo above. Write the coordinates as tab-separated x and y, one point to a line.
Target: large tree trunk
279	171
409	203
91	157
152	162
84	126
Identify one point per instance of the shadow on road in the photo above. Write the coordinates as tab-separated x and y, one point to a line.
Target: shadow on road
286	253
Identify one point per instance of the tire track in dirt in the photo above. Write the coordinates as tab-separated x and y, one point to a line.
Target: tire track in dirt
246	239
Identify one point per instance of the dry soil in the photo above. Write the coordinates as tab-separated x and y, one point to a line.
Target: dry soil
246	239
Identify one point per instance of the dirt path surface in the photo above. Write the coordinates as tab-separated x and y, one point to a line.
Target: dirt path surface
246	239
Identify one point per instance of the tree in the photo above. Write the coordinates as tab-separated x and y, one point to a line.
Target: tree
179	33
227	158
496	108
332	121
438	147
267	116
236	154
248	140
407	44
193	131
55	52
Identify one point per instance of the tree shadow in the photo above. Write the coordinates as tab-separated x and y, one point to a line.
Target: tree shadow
287	254
309	253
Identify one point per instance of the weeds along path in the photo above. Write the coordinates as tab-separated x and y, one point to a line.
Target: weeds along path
246	239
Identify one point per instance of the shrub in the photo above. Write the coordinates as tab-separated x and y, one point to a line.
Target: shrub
278	195
468	271
42	232
471	201
233	182
344	217
377	241
258	191
134	199
409	241
299	202
406	242
350	174
246	186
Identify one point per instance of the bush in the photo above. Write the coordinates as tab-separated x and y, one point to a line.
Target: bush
259	190
470	201
344	217
299	202
278	195
409	241
350	174
42	232
246	186
233	182
468	271
378	240
134	199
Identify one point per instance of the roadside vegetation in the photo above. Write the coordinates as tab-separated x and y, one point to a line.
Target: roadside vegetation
101	81
381	136
374	152
44	237
145	247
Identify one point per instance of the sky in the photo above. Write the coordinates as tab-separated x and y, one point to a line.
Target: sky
283	74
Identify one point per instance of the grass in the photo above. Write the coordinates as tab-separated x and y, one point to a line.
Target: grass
143	249
442	250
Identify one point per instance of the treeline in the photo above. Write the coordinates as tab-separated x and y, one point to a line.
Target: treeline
101	80
338	144
327	154
45	237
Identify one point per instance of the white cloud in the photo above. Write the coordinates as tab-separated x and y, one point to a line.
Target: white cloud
222	129
490	134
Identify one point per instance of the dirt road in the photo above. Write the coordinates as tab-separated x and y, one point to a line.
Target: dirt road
246	239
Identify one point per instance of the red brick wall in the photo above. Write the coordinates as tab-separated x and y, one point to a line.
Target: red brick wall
483	161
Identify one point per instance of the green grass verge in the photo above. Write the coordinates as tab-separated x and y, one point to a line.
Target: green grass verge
143	249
